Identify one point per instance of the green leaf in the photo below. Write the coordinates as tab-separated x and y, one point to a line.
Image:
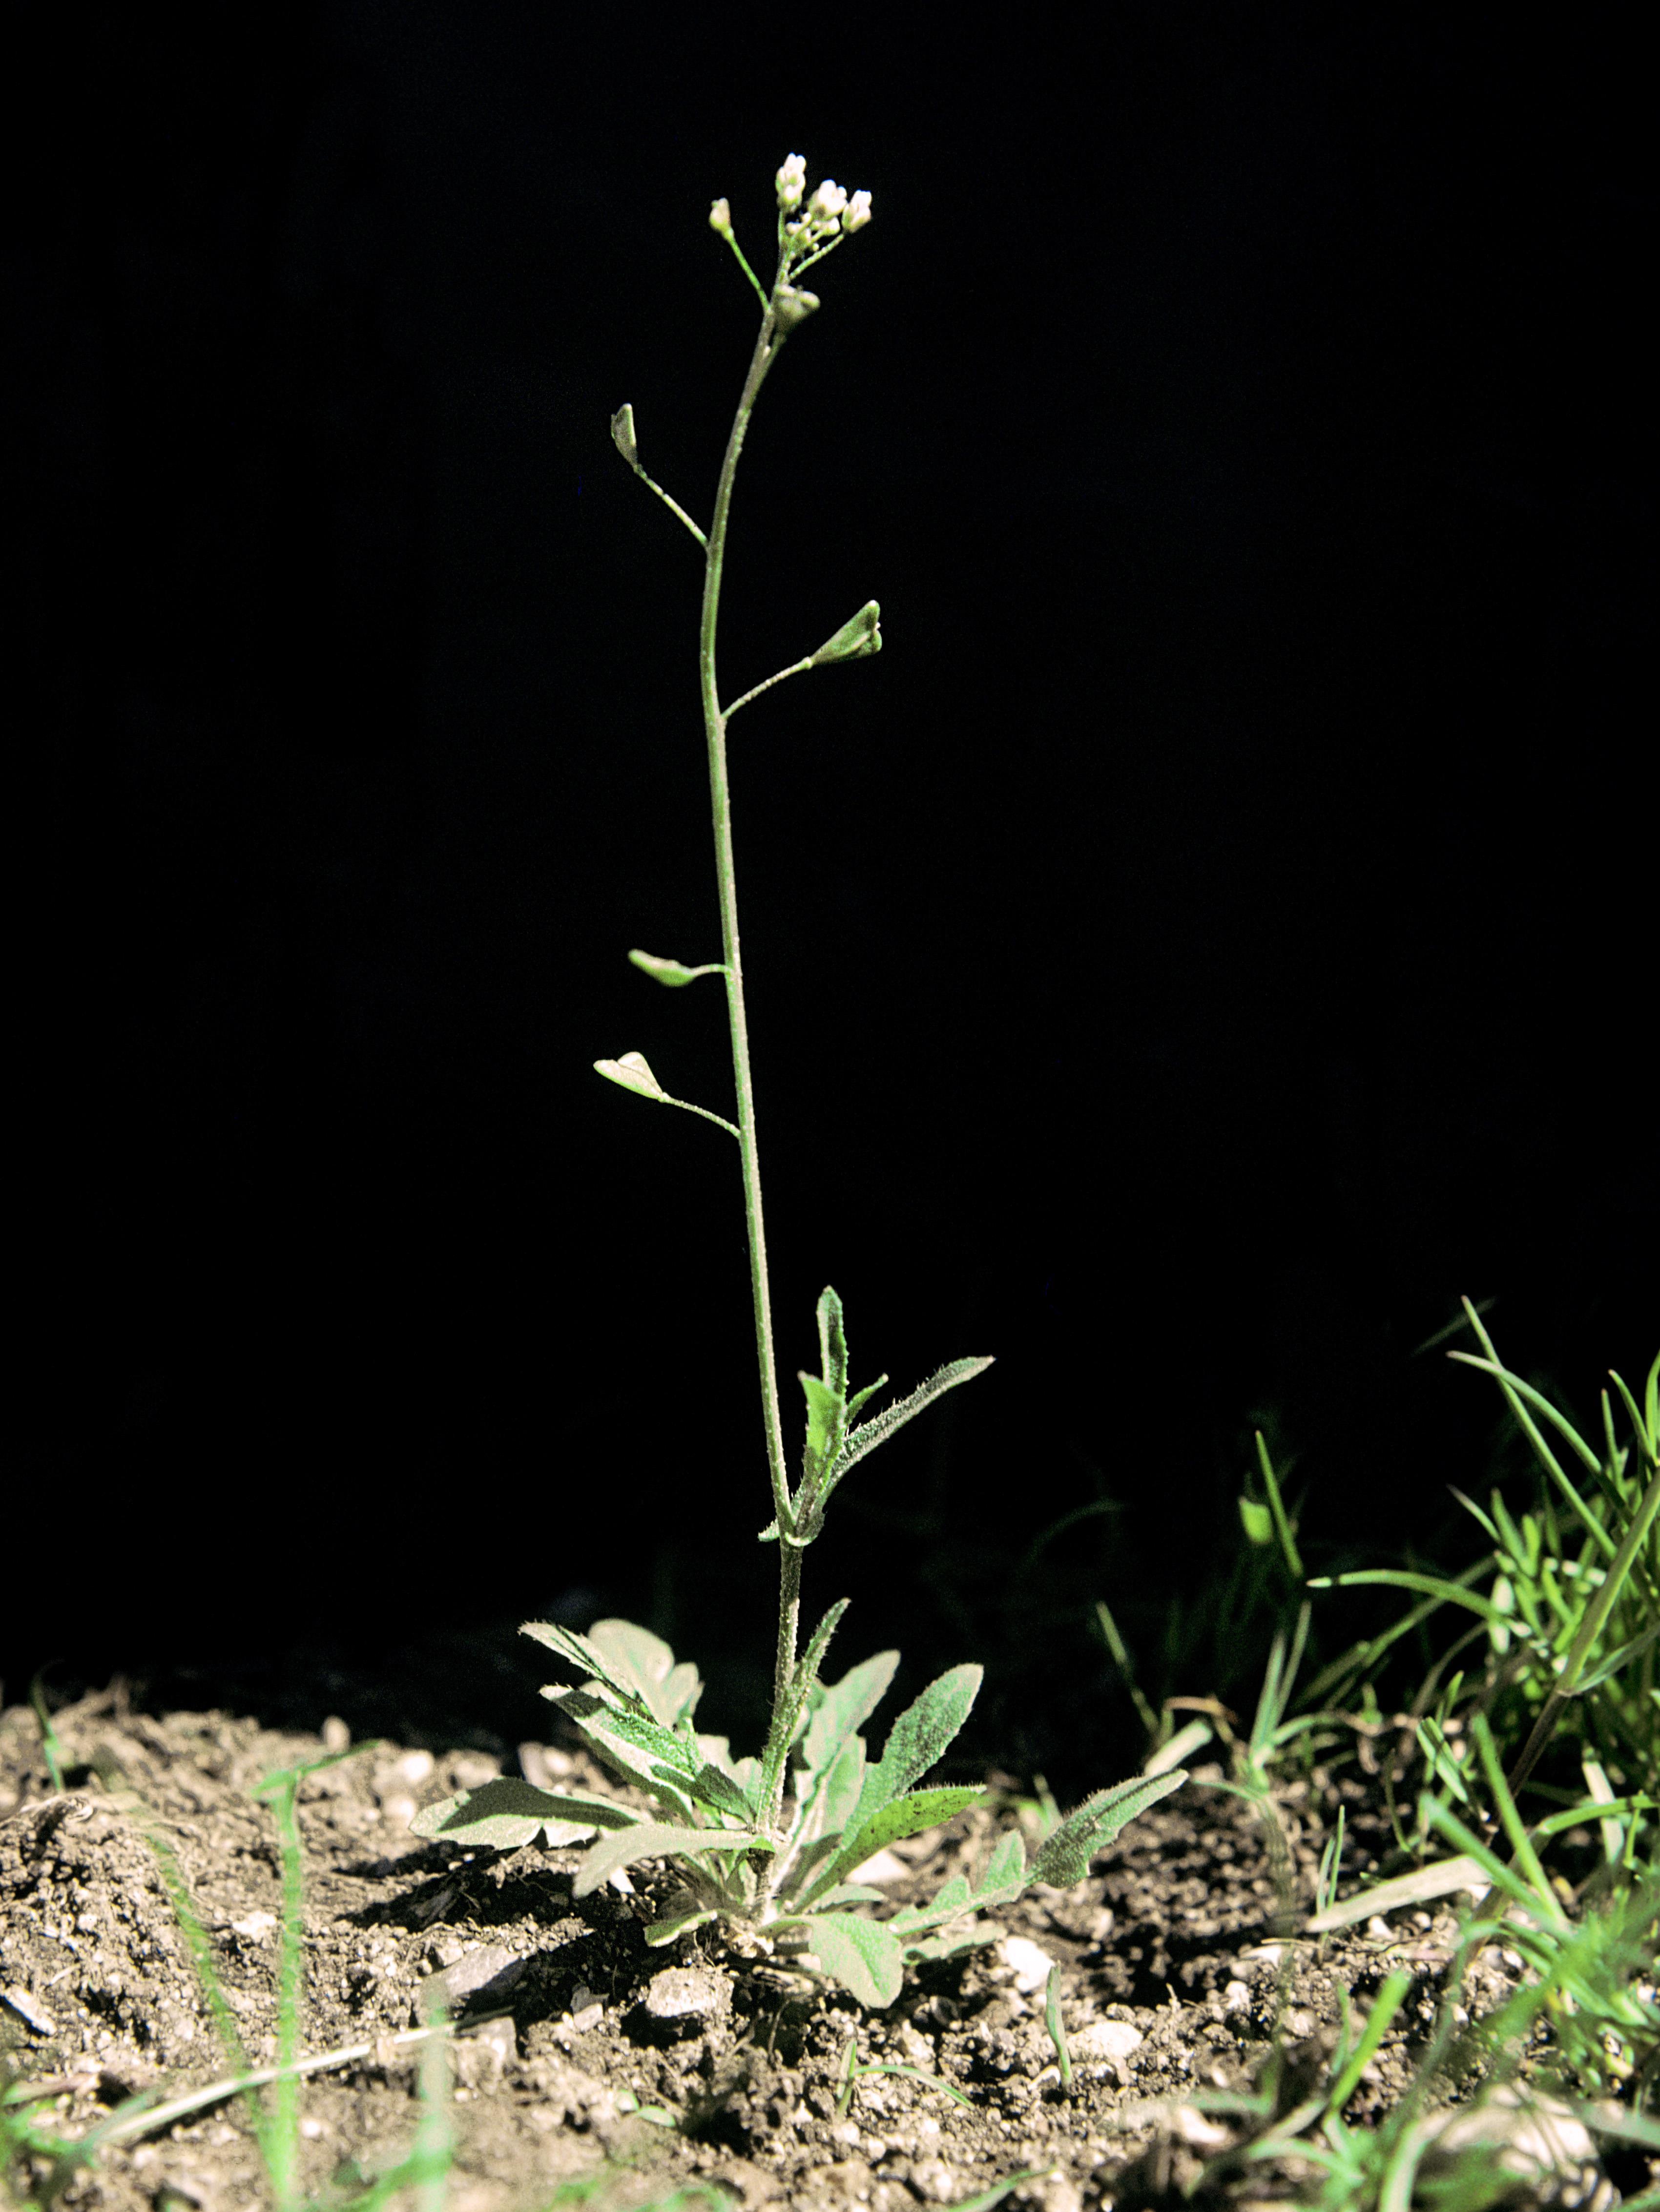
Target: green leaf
861	1399
590	1661
1256	1522
654	1840
844	1706
646	1665
934	1948
806	1672
861	634
713	1788
678	1923
827	1421
851	1892
867	1438
1064	1856
601	1722
952	1899
842	1787
683	1759
905	1816
861	1955
1435	1586
506	1814
1006	1873
918	1739
832	1342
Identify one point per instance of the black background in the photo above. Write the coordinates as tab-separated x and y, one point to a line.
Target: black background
1211	938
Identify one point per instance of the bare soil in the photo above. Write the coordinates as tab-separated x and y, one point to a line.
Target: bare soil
581	2049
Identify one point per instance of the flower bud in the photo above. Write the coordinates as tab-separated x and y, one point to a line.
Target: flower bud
855	639
856	213
826	204
791	308
720	217
792	182
622	431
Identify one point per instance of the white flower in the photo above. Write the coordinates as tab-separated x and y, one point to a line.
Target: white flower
827	203
792	182
856	213
720	217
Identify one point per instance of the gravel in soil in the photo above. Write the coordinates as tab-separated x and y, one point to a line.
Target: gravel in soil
579	2049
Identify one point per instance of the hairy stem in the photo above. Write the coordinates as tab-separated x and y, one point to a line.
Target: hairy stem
714	728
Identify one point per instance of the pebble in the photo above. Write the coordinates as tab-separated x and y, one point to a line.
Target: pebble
488	1969
1031	1963
686	1999
1106	2038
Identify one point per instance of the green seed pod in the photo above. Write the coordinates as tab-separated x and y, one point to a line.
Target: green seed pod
791	308
855	639
622	431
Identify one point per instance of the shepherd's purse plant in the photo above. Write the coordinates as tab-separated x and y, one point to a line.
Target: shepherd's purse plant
771	1845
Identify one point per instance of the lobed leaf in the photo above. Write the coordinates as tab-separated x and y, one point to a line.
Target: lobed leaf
654	1840
861	1955
1064	1855
506	1814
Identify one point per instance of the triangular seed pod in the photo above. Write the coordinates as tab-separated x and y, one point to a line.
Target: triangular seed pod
674	973
622	431
862	636
633	1074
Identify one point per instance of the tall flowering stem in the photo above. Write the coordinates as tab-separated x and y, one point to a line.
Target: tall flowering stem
802	238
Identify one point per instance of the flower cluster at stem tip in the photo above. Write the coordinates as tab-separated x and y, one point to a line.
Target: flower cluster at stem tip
830	209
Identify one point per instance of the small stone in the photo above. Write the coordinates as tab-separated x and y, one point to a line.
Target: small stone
684	2001
33	2015
934	2182
1030	1962
1106	2038
1235	1997
478	1977
1536	2138
311	2129
1190	2125
337	1736
414	1768
256	1924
